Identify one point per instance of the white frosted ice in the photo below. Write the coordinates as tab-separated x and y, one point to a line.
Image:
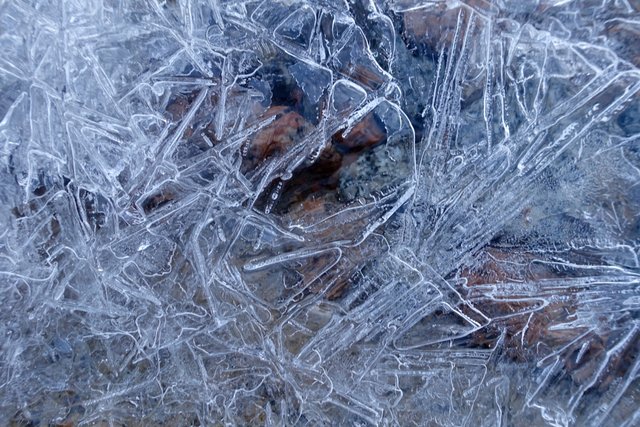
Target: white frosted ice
362	212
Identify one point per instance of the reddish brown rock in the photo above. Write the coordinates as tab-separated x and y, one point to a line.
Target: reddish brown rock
274	139
434	25
367	133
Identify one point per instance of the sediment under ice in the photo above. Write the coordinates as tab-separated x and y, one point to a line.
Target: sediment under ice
330	212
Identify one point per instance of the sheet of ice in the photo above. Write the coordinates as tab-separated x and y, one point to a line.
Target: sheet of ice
362	212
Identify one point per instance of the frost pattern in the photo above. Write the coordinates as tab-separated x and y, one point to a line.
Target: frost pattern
400	212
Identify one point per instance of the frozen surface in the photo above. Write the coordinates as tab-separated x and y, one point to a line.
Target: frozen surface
401	212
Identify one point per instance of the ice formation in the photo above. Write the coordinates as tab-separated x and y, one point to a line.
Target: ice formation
327	212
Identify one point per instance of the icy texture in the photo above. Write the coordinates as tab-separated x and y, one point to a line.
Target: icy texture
401	212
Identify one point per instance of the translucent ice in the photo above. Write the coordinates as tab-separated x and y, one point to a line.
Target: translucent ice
356	212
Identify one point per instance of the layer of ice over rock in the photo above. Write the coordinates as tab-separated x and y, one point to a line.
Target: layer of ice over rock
375	212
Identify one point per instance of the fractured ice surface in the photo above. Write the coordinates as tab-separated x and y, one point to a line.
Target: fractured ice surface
400	212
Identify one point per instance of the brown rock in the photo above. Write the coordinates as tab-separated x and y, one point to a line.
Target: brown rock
276	137
432	26
367	133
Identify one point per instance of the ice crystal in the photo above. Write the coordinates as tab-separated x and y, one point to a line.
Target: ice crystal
328	212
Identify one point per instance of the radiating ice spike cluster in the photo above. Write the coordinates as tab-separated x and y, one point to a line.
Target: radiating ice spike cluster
327	212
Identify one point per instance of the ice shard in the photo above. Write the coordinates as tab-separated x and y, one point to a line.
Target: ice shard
320	212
